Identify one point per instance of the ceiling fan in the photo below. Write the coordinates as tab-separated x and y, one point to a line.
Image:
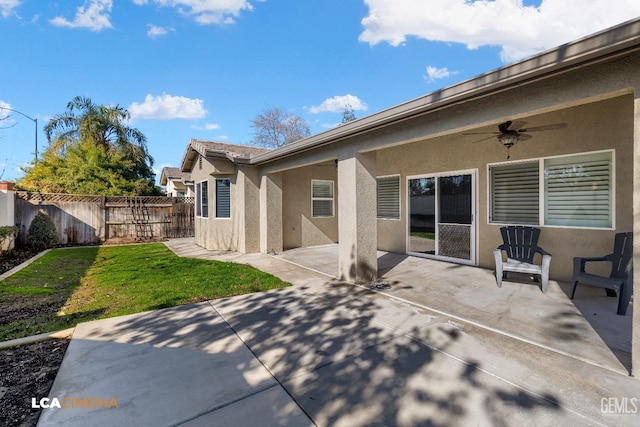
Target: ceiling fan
510	133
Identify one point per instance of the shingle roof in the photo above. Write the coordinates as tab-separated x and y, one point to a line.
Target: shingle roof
173	173
223	149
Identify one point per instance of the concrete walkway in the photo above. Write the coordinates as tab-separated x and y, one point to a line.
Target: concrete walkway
324	353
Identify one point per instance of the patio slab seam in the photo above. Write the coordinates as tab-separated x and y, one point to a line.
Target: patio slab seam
498	331
276	379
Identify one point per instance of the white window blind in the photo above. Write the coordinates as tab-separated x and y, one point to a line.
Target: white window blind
388	190
223	198
202	199
321	198
578	190
515	193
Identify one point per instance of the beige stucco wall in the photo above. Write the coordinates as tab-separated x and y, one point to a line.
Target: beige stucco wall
606	124
212	233
299	227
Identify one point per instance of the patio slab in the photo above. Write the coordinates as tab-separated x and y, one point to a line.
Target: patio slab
586	328
325	353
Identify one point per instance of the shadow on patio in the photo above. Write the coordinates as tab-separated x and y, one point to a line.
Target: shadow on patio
586	328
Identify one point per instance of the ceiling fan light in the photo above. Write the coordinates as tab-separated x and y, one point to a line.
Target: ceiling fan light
508	140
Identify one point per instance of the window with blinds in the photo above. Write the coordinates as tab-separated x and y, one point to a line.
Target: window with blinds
202	199
223	198
388	196
578	190
321	198
515	193
575	191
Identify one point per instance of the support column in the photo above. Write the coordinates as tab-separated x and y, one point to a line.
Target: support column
247	225
357	224
271	213
635	328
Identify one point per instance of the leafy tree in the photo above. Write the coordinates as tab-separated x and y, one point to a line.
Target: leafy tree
275	127
92	151
347	114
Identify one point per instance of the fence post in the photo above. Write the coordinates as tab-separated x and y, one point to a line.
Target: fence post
7	216
7	204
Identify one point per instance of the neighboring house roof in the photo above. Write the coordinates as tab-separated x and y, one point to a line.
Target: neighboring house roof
175	174
234	152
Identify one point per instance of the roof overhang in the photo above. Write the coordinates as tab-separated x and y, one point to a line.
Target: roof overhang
614	42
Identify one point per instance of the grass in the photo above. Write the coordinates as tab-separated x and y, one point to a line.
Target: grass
424	234
68	286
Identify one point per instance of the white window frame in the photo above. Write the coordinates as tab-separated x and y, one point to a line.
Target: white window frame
199	204
332	198
541	186
216	199
389	218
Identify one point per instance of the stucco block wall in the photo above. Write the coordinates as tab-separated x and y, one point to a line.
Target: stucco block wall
299	227
607	124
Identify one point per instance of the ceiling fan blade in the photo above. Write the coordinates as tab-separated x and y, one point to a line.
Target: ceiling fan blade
545	127
482	133
517	125
504	127
484	139
524	137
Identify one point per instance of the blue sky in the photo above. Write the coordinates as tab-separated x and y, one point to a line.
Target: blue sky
205	68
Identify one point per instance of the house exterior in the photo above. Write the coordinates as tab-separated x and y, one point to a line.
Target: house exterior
430	178
177	182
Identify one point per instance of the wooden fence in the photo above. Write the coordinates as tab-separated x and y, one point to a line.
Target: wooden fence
84	220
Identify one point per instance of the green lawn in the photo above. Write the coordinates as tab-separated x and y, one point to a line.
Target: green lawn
68	286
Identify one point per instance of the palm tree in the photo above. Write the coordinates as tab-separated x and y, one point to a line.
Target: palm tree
86	122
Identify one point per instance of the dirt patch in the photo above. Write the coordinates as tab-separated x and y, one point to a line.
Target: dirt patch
28	371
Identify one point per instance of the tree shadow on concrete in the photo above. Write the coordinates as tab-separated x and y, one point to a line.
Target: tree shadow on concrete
349	356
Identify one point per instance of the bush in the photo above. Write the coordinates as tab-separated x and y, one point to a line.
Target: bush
42	233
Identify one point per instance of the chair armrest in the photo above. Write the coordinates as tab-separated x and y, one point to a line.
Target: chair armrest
542	252
579	263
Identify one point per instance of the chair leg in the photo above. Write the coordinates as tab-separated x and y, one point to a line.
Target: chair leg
544	283
625	297
573	290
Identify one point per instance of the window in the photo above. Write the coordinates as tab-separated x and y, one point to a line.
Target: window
388	196
572	191
515	195
321	198
202	199
223	198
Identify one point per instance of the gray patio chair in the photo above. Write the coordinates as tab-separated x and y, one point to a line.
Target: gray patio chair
520	244
620	280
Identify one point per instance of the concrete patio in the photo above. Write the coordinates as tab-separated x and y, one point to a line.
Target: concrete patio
427	351
586	328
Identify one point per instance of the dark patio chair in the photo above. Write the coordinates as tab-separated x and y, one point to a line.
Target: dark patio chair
620	280
520	244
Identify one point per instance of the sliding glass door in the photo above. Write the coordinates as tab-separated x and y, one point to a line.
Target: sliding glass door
441	221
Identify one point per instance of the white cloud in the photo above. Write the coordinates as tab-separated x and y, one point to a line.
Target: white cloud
7	7
434	73
167	107
207	126
93	15
206	11
337	104
518	29
156	31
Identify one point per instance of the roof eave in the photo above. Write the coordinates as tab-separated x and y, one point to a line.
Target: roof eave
615	41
